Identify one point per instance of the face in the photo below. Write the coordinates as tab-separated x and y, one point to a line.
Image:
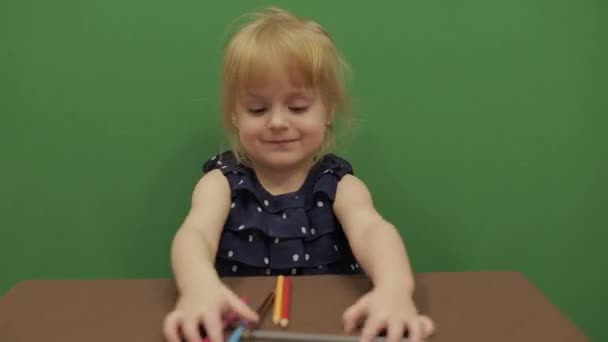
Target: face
280	126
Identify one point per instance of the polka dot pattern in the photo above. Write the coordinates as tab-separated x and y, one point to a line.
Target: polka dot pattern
297	232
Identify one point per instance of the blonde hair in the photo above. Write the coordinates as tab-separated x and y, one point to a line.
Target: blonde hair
274	37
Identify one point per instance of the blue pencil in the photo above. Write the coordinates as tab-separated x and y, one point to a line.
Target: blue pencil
236	334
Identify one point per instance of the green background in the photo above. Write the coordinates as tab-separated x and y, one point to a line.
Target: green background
480	130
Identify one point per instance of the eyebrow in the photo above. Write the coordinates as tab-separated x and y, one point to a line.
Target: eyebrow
308	94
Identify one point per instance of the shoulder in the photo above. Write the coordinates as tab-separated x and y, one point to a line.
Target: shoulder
331	163
211	181
352	189
210	205
211	186
327	173
347	182
225	162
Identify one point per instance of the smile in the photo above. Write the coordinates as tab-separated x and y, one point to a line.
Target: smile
282	141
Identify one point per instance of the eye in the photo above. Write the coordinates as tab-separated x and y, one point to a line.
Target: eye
259	110
298	109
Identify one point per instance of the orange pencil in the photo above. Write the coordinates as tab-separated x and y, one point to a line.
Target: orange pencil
286	302
276	315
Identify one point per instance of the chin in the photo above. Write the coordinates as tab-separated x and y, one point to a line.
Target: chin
281	161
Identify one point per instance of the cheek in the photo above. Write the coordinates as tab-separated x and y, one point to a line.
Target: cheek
247	136
315	131
314	125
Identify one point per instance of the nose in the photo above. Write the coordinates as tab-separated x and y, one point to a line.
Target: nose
278	119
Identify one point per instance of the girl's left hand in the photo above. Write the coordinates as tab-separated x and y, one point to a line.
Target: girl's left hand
389	309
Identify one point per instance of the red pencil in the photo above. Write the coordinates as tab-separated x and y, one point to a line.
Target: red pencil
286	302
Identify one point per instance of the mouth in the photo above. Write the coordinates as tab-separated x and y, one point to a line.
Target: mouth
280	141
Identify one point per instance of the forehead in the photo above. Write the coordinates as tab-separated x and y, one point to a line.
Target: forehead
276	82
270	63
278	76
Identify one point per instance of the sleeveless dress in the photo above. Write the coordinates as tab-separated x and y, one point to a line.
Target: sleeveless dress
295	233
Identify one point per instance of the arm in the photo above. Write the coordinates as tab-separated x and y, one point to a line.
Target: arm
203	298
375	242
195	245
378	247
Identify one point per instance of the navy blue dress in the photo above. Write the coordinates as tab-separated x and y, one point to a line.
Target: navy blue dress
291	234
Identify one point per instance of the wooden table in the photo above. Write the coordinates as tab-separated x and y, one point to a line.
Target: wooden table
466	306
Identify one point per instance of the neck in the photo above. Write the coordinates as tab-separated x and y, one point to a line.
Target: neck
282	181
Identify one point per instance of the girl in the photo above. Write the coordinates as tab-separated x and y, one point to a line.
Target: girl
279	202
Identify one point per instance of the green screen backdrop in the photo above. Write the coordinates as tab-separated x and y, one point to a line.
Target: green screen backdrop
480	130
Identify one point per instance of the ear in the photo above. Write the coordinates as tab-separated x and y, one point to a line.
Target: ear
331	115
235	121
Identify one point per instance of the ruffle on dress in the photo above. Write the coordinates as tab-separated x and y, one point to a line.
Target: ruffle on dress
291	232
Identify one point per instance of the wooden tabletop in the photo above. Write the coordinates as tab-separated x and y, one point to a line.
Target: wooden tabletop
466	306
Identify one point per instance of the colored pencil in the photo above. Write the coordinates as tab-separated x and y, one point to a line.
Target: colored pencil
278	301
286	298
230	319
236	334
263	308
290	336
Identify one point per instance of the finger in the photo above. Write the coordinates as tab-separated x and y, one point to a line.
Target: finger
354	314
395	331
414	328
171	327
371	329
242	309
190	329
213	326
428	327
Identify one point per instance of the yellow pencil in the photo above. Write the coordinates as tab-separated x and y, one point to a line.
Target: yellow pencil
278	301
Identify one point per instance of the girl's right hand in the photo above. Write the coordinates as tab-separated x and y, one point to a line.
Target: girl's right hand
205	307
